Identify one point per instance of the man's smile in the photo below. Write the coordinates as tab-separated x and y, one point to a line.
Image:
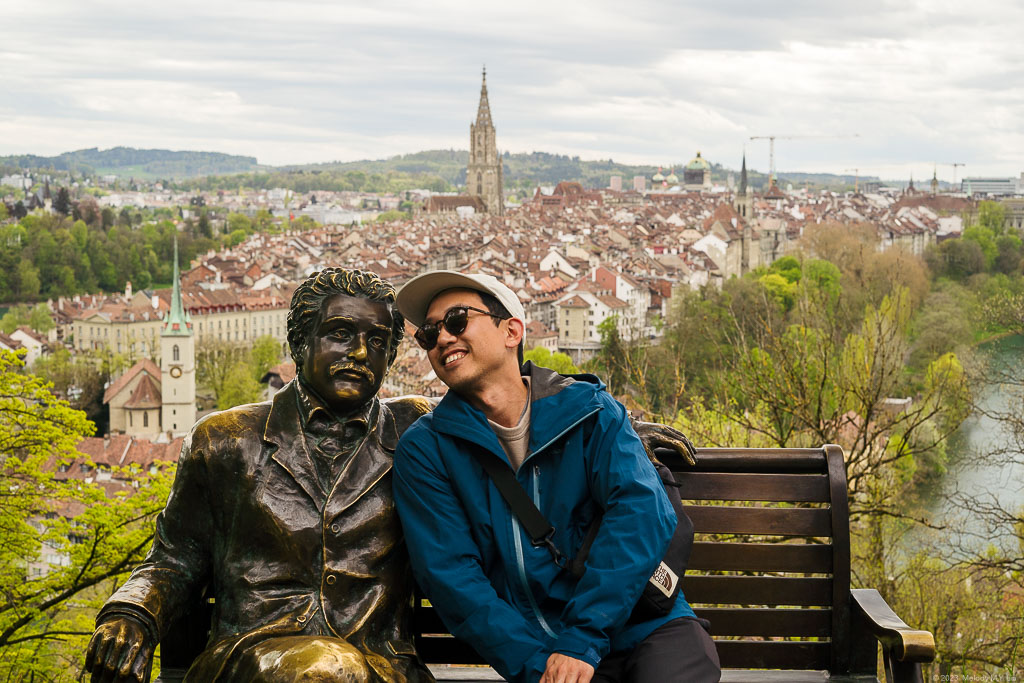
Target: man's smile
452	356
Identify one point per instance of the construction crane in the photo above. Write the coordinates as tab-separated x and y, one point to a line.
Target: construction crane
954	165
856	178
771	147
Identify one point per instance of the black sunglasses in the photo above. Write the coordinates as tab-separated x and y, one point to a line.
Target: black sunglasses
455	320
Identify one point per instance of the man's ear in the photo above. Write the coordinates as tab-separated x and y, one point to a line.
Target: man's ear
516	329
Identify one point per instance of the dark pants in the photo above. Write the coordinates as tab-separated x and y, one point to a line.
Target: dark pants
681	650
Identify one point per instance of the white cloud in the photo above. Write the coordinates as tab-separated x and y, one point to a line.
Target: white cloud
921	81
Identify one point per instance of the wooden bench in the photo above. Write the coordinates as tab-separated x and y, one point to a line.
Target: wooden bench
770	570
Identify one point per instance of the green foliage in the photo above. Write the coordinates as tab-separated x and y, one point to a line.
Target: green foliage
239	387
559	362
84	540
265	354
387	216
49	256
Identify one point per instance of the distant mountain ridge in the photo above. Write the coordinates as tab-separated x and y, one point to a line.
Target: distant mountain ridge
436	169
145	164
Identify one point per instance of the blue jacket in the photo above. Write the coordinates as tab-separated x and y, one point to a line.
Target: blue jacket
490	585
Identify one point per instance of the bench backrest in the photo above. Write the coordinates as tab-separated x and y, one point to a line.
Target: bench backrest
770	567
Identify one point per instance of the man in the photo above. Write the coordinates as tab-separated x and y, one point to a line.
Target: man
572	449
283	510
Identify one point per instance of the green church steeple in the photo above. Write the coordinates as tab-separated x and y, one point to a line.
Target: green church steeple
178	321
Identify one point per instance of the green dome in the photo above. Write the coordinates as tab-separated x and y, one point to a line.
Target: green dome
672	179
658	177
698	163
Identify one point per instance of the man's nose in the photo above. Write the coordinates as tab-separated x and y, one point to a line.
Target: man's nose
444	337
358	350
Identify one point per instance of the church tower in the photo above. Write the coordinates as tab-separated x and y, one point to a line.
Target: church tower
177	364
744	202
483	174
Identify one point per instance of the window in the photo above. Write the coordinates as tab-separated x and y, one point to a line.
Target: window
175	353
130	419
145	417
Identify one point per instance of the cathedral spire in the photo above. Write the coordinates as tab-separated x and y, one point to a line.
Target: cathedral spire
483	112
179	321
743	175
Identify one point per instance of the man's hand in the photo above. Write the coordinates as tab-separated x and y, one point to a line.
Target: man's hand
566	669
654	435
119	652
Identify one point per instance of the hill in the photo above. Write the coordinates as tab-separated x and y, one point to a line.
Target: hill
438	170
143	164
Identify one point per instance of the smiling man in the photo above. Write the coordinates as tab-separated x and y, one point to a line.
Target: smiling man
283	512
571	447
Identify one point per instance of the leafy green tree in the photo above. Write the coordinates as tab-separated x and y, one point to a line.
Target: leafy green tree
83	541
39	319
62	202
28	280
239	387
559	362
265	354
239	221
15	317
203	226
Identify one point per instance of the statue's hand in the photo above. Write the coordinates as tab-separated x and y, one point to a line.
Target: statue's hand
119	652
656	435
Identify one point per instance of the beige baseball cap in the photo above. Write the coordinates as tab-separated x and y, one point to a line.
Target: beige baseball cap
415	296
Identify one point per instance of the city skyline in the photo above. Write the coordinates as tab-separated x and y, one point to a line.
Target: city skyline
920	83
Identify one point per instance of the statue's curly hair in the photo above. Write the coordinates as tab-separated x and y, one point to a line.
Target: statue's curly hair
309	297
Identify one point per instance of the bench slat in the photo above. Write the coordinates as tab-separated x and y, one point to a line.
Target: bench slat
769	487
768	460
732	621
757	590
812	558
760	654
757	520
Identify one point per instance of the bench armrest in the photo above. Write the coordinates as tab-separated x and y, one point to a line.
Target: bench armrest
904	643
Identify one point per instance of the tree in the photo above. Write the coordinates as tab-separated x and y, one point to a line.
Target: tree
239	387
265	354
559	362
90	540
62	204
204	227
39	319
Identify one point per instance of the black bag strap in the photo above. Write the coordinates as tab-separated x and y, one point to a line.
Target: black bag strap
536	524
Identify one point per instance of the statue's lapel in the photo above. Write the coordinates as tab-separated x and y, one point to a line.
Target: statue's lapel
368	464
284	432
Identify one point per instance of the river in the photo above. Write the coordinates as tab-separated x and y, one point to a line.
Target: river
975	476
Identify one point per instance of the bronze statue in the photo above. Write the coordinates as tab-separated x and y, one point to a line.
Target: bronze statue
283	511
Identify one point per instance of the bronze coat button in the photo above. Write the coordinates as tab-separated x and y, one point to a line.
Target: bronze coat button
331	578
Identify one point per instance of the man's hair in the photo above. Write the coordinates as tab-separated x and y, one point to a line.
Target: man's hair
309	298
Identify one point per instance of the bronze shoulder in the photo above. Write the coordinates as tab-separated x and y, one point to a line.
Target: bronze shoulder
245	422
408	409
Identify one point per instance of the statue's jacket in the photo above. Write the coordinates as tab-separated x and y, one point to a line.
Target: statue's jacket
248	523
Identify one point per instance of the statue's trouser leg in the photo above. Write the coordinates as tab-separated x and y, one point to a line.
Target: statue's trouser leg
311	659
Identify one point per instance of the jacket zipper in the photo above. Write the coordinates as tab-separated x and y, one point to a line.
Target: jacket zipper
517	532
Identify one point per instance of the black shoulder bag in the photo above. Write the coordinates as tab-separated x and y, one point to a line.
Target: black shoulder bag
661	590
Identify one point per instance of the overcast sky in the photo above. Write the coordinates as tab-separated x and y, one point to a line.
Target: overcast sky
921	82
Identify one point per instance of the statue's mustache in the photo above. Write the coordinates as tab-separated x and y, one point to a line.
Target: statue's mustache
345	366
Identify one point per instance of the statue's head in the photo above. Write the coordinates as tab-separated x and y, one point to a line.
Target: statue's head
343	333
